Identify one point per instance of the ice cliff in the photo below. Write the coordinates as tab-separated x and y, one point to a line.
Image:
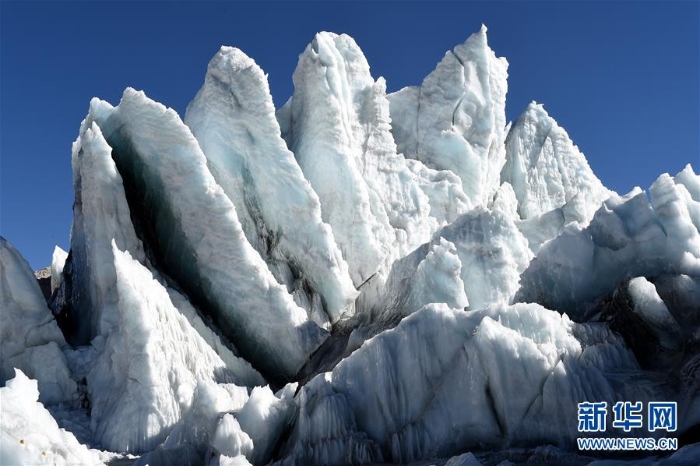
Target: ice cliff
352	277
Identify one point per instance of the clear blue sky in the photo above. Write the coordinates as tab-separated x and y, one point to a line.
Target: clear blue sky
620	76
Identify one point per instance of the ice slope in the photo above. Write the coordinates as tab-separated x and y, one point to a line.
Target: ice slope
211	402
431	274
58	261
338	126
30	339
100	215
627	237
194	233
233	119
137	394
547	171
473	262
263	419
444	381
30	435
444	190
102	225
651	308
455	120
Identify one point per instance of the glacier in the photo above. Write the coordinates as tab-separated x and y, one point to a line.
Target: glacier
354	277
629	236
30	339
233	119
455	120
204	236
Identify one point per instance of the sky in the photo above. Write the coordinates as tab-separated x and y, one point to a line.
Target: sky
620	76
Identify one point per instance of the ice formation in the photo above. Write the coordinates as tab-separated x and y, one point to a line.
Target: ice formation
354	278
446	380
132	385
200	239
30	434
546	170
455	120
58	261
233	119
30	339
629	236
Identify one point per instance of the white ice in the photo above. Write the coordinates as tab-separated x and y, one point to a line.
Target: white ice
147	368
651	308
455	120
546	169
30	339
233	118
30	435
627	237
338	126
58	260
446	380
200	239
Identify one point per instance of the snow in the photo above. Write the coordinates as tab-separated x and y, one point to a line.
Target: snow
233	119
30	339
627	237
200	236
456	119
30	435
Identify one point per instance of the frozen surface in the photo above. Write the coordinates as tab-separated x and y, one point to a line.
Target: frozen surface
432	274
241	244
200	240
628	237
651	308
467	459
198	426
339	127
546	170
455	120
30	435
264	418
444	190
492	253
447	380
100	215
30	339
471	263
233	119
137	395
58	260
